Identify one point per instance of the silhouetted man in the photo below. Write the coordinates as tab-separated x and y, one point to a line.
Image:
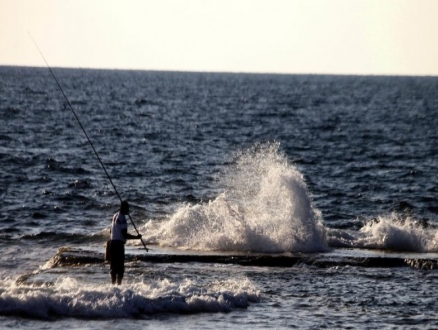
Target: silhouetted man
119	235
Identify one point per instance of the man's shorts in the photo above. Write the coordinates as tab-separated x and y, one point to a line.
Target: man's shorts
117	257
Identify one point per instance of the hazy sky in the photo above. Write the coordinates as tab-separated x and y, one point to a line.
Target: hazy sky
281	36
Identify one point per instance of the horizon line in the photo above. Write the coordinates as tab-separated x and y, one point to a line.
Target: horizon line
225	72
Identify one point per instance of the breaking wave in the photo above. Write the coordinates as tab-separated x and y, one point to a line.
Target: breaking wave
265	207
69	298
393	232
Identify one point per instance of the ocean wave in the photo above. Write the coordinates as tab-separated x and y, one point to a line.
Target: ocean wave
70	298
392	232
266	207
55	236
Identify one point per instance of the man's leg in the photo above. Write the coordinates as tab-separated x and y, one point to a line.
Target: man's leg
113	278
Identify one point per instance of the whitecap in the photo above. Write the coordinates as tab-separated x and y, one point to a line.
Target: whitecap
265	207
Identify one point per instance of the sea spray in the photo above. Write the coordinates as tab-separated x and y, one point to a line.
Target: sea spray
393	232
265	207
68	297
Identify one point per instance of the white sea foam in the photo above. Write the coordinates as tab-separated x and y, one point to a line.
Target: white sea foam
69	298
265	207
390	232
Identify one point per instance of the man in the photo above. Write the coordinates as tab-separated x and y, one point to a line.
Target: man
119	235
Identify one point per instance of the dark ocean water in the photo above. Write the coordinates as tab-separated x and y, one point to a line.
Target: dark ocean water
334	166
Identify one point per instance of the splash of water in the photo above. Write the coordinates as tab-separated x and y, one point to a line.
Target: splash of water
265	207
393	232
68	297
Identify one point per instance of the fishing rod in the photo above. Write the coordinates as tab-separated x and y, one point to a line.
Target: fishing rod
86	135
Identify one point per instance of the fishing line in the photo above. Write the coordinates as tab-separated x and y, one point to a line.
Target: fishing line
86	135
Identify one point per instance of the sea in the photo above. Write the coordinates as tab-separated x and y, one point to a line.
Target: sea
264	201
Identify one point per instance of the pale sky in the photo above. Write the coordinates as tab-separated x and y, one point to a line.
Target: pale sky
389	37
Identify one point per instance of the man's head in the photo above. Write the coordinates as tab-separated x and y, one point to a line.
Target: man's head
124	207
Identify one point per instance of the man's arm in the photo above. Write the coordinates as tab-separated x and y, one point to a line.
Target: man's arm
126	235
